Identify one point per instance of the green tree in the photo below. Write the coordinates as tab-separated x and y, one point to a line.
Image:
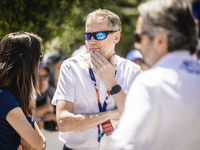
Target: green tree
64	20
73	37
43	17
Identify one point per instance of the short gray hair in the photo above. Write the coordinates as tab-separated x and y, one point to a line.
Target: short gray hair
174	18
114	22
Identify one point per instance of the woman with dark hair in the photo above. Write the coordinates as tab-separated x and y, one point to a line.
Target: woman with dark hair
20	54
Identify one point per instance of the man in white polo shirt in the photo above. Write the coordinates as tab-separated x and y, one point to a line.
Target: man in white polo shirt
92	87
162	108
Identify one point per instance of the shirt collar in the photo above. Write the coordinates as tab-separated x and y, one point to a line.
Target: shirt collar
172	57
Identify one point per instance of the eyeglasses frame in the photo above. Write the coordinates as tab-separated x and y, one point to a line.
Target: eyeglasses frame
93	34
44	77
137	36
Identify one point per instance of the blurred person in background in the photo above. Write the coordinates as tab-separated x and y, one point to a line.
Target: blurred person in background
162	107
45	112
54	63
196	13
198	55
136	57
20	54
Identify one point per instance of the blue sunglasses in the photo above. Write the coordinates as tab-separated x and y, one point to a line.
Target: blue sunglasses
97	35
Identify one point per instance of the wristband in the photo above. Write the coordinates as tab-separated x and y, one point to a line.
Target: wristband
115	89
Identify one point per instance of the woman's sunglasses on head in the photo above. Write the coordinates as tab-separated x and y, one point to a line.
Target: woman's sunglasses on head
97	35
41	56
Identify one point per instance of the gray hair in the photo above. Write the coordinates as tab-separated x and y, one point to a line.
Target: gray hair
174	18
114	22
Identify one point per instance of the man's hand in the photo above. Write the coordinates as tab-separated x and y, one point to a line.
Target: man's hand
118	115
104	69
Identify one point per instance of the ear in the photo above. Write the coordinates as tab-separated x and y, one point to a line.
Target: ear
161	44
117	37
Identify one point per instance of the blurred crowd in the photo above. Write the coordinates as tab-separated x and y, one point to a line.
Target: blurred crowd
45	112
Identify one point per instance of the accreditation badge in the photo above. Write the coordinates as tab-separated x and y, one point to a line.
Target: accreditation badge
107	128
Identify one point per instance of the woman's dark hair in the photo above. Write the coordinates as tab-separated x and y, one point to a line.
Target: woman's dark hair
19	59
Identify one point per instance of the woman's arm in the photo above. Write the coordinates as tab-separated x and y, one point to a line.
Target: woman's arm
19	122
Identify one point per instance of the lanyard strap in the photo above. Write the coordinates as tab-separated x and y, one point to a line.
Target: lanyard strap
95	86
101	109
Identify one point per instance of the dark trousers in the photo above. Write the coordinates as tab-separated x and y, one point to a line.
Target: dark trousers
66	148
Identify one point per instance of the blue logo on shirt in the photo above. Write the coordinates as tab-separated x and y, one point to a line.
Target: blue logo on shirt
191	66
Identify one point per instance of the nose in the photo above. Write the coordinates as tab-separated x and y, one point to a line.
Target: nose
137	45
92	40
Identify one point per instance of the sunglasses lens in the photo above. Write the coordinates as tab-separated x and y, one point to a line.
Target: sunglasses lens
137	37
41	56
100	35
45	77
87	36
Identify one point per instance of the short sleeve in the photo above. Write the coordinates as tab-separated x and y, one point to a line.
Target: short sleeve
65	87
7	102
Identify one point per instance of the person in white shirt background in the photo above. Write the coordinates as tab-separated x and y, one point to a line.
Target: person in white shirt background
162	108
92	87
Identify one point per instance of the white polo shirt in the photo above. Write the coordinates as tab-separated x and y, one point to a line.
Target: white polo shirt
162	108
75	85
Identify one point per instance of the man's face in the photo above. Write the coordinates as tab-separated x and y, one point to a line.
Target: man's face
106	46
146	44
43	80
153	48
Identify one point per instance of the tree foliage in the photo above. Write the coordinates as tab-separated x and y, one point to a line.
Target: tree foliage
73	36
64	20
43	17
